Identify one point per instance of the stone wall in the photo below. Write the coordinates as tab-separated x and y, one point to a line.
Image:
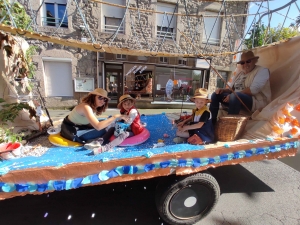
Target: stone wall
140	32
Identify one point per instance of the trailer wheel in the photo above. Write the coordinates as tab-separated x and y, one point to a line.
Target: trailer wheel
188	200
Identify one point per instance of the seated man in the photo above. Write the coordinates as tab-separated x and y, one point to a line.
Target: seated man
252	86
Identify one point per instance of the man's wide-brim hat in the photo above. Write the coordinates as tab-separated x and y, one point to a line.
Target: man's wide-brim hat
99	91
124	98
248	55
200	93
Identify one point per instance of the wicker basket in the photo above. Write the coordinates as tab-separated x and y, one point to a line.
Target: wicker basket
230	128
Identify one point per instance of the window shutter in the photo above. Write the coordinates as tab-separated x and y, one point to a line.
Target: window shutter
112	11
162	7
210	28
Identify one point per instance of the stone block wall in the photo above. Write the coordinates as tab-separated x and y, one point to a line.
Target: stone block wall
140	33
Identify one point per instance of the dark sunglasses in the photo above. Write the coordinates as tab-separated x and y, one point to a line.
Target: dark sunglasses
243	62
102	98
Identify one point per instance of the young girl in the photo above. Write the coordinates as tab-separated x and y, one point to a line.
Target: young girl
127	107
199	123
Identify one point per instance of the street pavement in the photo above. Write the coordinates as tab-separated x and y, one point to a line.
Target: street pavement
257	193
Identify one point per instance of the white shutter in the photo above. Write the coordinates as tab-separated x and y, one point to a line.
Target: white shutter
58	78
210	28
162	7
112	11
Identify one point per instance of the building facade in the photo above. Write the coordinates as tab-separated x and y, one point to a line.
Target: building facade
66	74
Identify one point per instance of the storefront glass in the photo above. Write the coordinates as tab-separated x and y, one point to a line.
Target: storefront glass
138	80
176	84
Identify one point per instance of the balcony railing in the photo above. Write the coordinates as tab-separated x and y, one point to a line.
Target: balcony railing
113	28
169	35
54	22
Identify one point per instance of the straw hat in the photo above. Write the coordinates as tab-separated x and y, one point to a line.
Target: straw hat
124	98
248	55
99	91
200	93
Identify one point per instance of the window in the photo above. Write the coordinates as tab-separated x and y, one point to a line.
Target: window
55	13
112	16
166	23
220	83
112	24
212	28
163	59
182	61
120	56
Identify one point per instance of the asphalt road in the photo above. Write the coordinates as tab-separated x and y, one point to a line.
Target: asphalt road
264	192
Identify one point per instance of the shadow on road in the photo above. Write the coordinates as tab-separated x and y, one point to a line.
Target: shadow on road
237	179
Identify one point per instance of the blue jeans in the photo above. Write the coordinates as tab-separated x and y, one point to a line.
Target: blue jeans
234	105
93	134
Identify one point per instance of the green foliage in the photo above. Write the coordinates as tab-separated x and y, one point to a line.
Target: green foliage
8	113
29	53
7	135
17	11
260	35
257	36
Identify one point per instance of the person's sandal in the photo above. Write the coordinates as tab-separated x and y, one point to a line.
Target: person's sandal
98	150
92	145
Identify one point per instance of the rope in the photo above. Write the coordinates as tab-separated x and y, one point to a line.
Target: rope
214	25
242	42
188	21
62	19
34	16
84	21
9	14
134	32
168	26
139	22
115	34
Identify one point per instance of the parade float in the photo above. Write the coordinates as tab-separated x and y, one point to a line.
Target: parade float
269	134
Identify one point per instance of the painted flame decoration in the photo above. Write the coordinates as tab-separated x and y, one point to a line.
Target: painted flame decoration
285	123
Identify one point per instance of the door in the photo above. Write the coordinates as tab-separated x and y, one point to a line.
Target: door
113	80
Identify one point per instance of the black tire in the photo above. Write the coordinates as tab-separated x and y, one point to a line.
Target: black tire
187	200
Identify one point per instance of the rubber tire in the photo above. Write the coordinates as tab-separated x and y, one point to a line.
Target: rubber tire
168	195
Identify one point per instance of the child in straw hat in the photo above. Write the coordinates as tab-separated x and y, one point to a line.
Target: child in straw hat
199	125
124	129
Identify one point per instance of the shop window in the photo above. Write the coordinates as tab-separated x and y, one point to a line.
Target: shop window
212	28
112	16
166	23
182	61
220	83
120	56
54	11
163	60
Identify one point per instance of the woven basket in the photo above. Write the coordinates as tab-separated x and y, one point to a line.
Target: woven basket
230	128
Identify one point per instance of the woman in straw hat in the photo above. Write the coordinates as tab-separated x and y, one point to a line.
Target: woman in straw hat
82	125
130	128
199	124
252	86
